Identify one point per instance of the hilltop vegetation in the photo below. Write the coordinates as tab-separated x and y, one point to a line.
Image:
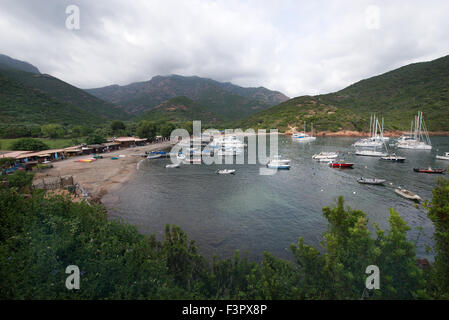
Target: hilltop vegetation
179	109
29	106
66	94
226	100
396	95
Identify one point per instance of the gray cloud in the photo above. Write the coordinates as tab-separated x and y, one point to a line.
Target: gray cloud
291	46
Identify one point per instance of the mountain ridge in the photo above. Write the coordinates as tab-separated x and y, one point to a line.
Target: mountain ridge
225	99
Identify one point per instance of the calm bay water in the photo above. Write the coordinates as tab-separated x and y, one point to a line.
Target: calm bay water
256	213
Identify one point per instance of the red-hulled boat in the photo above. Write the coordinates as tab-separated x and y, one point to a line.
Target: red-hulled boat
340	165
428	170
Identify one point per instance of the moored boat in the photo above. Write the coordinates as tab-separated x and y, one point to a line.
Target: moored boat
172	165
370	153
340	164
325	156
407	194
225	171
445	157
276	164
374	181
428	170
393	157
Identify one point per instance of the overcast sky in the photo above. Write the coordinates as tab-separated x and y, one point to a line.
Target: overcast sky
296	47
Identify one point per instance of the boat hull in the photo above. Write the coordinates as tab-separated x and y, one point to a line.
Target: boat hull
428	170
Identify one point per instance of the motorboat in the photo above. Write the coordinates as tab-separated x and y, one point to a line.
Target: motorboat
225	171
374	181
276	164
172	165
428	170
279	159
370	153
340	164
407	194
393	157
445	157
325	156
180	156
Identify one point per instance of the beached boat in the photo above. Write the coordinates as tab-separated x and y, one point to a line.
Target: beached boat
393	157
407	194
374	181
445	157
154	156
340	164
370	153
428	170
172	165
225	171
86	160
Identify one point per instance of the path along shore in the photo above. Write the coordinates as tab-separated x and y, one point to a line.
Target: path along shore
99	177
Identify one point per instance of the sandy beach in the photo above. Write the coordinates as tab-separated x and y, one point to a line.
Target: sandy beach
99	177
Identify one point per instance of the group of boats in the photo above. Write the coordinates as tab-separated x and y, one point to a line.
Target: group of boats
417	139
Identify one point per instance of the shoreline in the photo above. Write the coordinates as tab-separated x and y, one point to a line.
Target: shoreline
103	176
349	133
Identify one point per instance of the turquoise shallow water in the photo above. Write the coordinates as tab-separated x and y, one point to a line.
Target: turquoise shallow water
256	213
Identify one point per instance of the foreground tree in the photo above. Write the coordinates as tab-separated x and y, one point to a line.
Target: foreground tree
438	212
349	248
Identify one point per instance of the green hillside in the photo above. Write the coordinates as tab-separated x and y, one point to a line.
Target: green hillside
24	105
66	94
180	109
227	101
396	95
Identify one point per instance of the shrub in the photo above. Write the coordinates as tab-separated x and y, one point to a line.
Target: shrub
29	144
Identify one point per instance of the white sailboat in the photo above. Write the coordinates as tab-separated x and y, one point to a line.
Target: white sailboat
376	139
304	137
419	137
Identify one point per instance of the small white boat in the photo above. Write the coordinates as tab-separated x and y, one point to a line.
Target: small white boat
275	164
278	158
326	156
172	165
180	157
154	156
370	153
445	157
225	171
303	137
407	194
374	181
393	157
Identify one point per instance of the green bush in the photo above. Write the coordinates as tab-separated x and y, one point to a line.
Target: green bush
29	144
20	179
